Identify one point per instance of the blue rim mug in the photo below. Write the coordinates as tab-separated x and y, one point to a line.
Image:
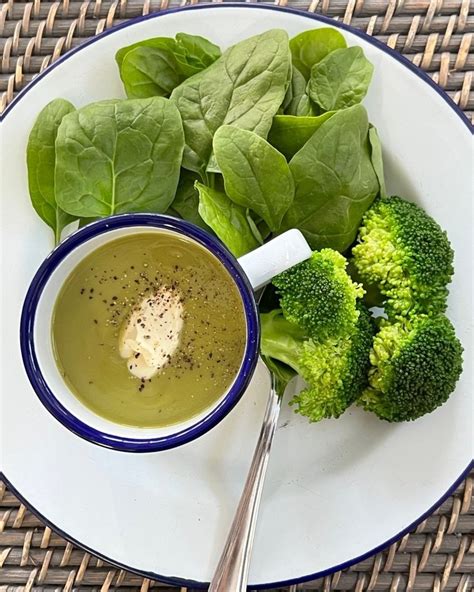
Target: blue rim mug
249	273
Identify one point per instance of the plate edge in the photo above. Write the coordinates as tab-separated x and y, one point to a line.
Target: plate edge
177	581
415	70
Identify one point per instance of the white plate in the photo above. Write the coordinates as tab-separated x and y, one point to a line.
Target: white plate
336	490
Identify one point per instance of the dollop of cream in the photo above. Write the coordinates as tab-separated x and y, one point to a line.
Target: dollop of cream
152	333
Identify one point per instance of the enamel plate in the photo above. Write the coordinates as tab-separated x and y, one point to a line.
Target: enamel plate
336	491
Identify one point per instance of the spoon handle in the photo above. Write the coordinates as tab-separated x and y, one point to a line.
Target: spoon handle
232	570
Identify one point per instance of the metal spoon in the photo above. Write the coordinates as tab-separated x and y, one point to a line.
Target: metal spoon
232	570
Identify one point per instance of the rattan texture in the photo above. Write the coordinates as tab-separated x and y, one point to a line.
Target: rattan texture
438	556
436	35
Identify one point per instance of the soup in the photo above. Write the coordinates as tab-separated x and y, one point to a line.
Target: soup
149	330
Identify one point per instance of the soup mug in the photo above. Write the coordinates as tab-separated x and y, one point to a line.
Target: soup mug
249	273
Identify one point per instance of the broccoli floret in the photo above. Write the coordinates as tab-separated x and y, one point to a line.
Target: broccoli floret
415	366
406	255
335	370
319	296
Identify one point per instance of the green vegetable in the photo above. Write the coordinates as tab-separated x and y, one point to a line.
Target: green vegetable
263	230
297	101
341	79
119	156
416	365
164	43
290	133
195	53
282	340
255	174
86	221
319	296
40	158
404	252
281	372
310	47
186	202
335	370
377	159
253	226
372	296
154	67
323	333
335	181
149	72
228	220
245	88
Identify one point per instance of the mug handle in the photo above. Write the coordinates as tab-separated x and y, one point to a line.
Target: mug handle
274	257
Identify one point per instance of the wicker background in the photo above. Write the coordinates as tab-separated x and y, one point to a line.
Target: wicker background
436	35
438	555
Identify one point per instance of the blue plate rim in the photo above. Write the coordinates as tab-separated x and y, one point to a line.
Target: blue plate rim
176	581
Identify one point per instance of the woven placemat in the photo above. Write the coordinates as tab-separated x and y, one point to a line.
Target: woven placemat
438	556
436	35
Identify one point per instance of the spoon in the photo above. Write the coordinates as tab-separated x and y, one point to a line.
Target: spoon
231	574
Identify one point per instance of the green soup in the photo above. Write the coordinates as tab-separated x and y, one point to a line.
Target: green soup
153	288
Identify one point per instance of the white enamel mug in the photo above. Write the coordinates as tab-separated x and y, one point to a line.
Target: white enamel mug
249	273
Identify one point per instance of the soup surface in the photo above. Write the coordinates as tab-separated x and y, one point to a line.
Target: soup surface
149	330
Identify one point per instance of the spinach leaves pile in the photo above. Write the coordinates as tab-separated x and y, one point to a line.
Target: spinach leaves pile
266	136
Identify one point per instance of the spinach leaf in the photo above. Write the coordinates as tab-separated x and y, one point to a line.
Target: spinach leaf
186	202
150	72
244	87
86	221
255	174
310	47
335	181
297	101
263	230
40	158
254	227
119	156
195	53
227	220
341	79
377	159
290	133
154	67
164	43
260	228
